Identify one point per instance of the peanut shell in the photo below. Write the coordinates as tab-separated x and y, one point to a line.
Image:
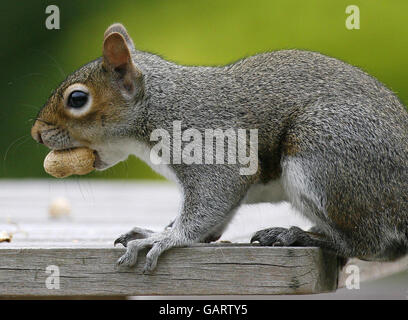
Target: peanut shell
63	163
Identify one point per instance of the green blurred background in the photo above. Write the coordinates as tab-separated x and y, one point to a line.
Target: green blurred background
35	60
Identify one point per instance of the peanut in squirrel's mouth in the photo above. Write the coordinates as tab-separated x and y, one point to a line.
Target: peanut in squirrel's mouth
98	164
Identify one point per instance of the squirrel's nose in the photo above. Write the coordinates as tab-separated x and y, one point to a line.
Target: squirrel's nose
36	132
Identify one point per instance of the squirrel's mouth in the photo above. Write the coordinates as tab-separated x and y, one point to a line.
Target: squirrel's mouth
99	164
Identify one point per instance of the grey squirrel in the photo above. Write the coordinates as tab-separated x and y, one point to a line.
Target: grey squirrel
332	140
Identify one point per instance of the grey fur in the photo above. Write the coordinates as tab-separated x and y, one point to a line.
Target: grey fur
335	137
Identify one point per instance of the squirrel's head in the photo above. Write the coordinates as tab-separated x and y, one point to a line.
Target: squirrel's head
95	106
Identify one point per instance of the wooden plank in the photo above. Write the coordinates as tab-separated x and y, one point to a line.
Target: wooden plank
82	246
199	270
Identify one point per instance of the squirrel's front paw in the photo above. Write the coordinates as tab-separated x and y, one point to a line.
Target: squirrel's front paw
135	233
158	243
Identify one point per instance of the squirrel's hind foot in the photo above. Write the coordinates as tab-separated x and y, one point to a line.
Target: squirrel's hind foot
294	236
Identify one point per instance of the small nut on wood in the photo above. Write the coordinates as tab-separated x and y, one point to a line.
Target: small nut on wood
5	236
59	207
63	163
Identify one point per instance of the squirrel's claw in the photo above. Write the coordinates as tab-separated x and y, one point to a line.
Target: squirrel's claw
129	259
120	240
255	237
268	237
134	234
294	236
157	242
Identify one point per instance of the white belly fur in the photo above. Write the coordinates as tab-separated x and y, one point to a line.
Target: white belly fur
142	151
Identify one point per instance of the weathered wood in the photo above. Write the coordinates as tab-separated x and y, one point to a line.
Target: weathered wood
198	270
82	246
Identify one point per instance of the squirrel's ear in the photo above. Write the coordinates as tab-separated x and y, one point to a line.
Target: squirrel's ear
117	58
116	53
119	28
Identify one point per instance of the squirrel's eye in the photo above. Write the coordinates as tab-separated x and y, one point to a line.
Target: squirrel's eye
77	99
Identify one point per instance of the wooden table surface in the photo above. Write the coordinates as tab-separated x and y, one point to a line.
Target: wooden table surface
81	246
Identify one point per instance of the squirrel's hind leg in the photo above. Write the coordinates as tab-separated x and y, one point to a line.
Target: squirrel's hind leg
306	195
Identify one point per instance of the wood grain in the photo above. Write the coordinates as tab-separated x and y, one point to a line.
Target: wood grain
198	270
81	245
